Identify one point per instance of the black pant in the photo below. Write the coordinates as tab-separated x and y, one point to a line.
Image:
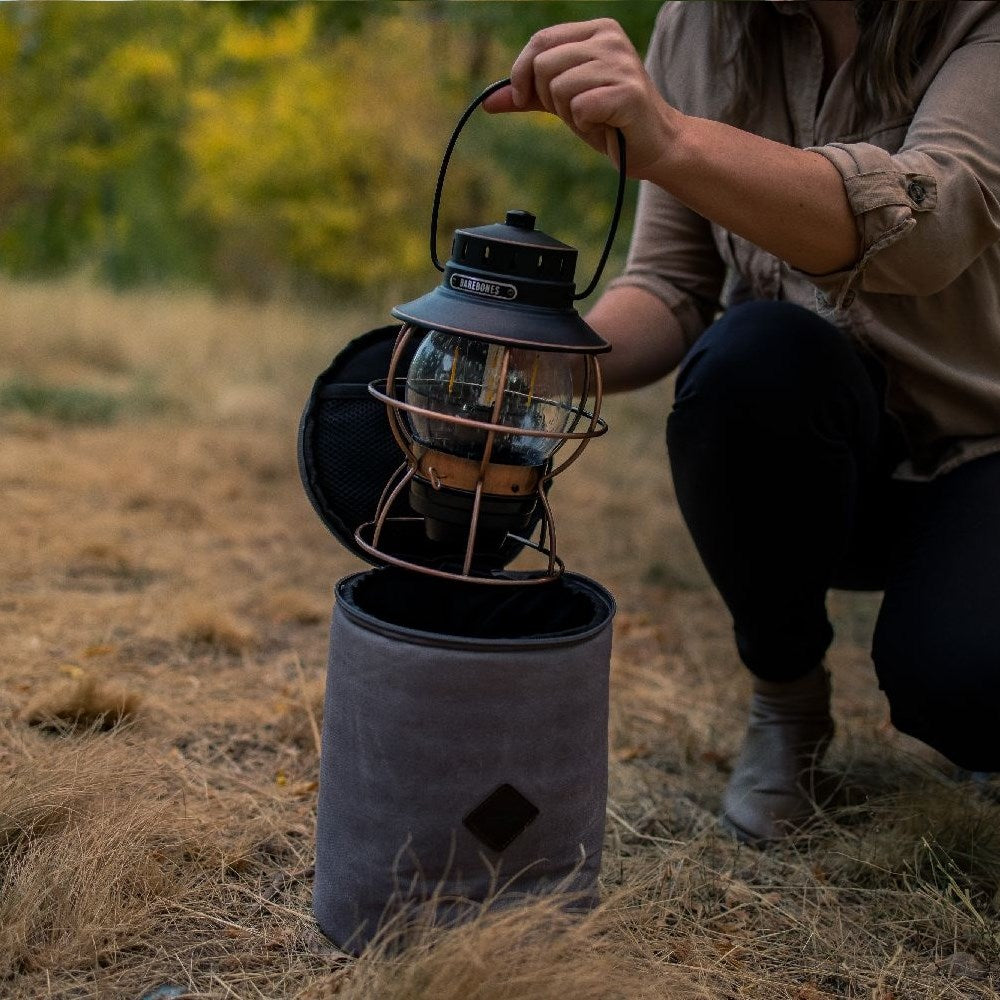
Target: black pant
781	455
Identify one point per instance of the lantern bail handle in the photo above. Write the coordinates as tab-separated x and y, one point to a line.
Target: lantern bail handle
449	149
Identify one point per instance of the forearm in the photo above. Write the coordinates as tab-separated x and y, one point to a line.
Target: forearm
788	201
645	337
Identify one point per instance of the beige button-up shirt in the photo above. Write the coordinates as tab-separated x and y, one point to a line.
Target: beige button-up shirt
924	294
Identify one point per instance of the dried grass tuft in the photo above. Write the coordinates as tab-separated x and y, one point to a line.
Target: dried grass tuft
929	855
95	840
535	950
215	628
296	606
84	703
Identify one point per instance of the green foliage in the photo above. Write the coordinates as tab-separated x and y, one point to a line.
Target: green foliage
513	22
95	101
83	404
304	161
265	146
70	404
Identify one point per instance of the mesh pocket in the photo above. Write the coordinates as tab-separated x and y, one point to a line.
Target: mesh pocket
347	452
354	454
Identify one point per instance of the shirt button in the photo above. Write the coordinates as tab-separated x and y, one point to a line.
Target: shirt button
916	191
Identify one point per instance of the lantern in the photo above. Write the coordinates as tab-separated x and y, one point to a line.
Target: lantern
505	375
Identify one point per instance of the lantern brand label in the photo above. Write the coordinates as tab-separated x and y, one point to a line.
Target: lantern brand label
491	289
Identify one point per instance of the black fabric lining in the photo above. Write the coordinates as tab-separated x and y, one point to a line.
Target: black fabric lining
568	609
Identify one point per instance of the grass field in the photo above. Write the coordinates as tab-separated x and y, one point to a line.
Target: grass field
164	599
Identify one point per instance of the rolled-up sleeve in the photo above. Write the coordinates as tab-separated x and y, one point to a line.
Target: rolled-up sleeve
926	212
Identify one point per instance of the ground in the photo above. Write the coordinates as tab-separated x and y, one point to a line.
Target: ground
165	593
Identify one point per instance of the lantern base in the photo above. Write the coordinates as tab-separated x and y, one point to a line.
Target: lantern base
369	537
447	515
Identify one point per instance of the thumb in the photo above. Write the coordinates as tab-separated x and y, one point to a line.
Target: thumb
503	101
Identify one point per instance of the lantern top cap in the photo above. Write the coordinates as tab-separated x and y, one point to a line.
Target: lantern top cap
509	283
517	231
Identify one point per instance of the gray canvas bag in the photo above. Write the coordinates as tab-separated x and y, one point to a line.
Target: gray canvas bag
464	753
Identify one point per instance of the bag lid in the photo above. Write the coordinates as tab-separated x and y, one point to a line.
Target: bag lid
347	454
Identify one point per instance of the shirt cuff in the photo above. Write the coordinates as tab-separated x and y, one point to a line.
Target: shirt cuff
884	200
691	319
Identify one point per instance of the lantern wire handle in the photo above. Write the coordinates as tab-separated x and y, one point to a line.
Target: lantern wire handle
450	148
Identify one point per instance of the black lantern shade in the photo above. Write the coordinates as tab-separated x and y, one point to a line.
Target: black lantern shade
507	283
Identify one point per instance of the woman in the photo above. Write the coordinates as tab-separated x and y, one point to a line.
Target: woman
829	175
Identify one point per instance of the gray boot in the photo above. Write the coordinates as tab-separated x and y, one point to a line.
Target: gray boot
770	791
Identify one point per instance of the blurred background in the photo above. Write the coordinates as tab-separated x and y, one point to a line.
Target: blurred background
273	148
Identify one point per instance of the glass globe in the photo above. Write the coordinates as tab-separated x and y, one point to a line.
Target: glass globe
459	376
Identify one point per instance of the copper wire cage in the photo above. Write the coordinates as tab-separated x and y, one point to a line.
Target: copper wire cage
487	479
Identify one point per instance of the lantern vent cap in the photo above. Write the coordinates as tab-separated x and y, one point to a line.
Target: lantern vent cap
516	249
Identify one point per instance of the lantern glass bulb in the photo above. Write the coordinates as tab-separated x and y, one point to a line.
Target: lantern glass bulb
459	376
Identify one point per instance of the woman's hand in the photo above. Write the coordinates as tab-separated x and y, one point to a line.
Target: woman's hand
791	202
590	75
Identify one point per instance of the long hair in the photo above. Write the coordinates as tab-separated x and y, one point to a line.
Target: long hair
894	38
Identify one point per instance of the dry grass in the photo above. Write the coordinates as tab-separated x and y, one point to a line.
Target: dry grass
165	580
536	951
84	703
218	630
97	843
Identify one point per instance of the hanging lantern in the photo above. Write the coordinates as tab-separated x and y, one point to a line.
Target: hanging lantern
505	375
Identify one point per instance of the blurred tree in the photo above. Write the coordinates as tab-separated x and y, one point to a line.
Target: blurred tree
309	155
331	19
94	100
266	145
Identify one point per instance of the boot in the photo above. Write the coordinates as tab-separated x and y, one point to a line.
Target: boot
769	791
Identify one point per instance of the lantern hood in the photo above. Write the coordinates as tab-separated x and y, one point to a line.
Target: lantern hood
508	283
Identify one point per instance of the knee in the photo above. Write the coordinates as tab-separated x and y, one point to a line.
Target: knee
766	352
943	688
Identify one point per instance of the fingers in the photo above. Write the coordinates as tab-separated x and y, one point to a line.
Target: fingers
591	112
578	109
574	82
503	101
565	61
523	72
590	75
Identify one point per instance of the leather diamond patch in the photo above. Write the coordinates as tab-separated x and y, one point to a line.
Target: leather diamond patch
501	818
